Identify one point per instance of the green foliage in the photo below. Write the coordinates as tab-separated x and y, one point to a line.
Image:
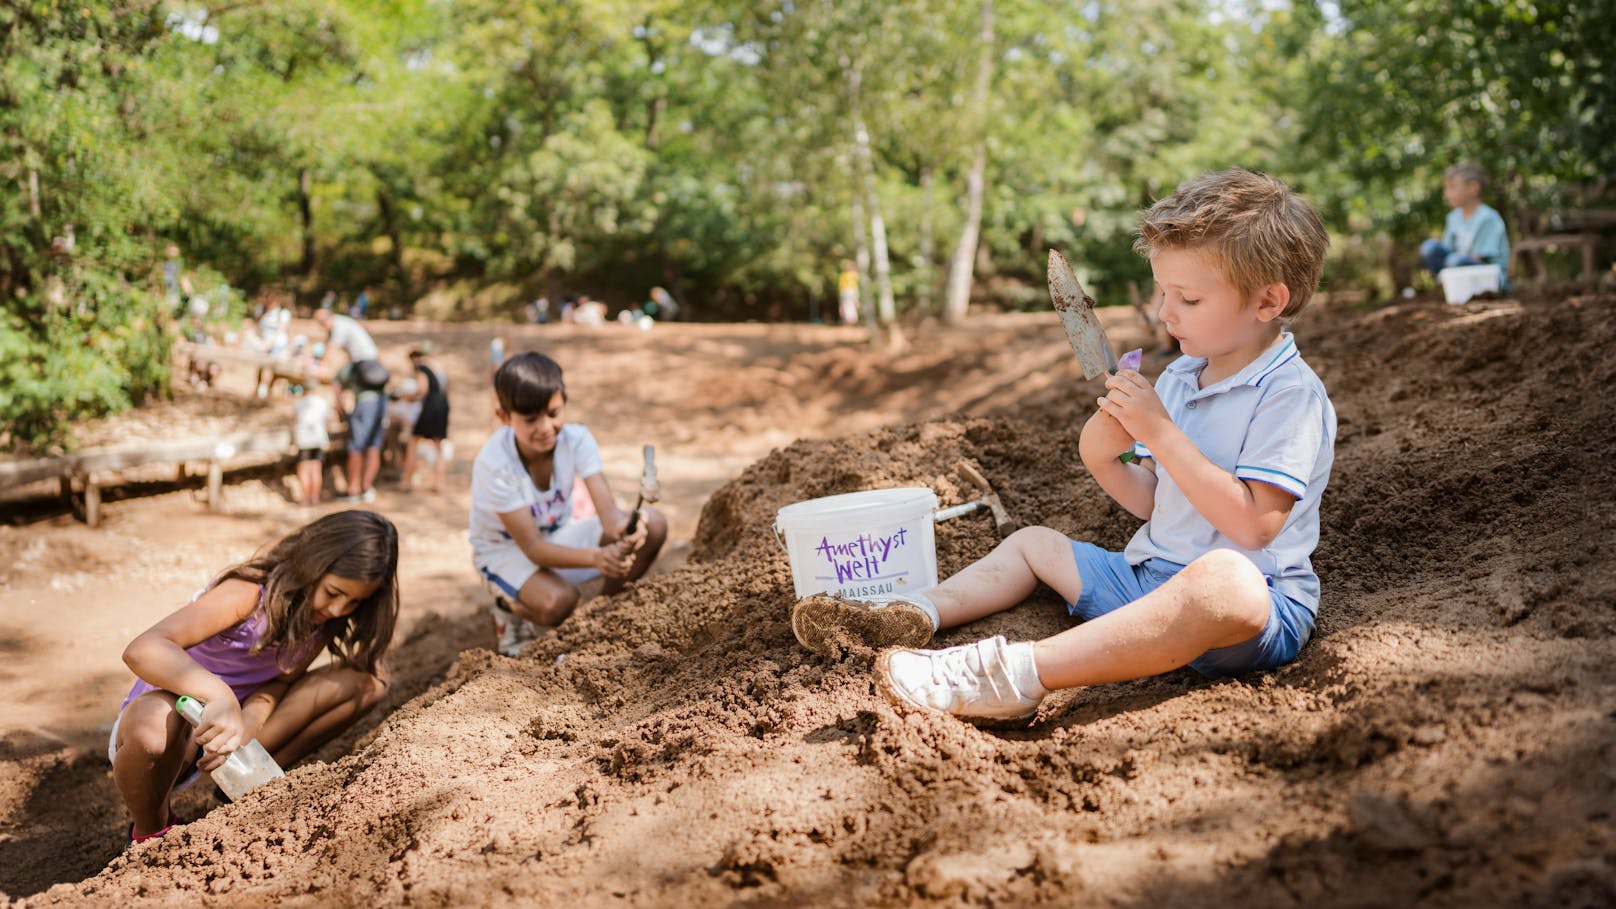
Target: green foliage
82	347
77	335
709	146
1386	95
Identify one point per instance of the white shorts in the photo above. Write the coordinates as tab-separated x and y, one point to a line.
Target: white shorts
505	569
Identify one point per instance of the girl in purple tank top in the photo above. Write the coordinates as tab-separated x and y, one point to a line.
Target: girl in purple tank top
243	647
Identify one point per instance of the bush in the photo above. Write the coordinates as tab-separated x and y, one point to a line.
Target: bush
86	346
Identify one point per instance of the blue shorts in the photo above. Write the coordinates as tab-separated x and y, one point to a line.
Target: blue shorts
1109	582
367	422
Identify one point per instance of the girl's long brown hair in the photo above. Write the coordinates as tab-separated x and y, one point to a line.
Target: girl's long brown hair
357	545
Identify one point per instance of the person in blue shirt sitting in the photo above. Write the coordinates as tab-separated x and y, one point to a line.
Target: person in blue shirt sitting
1225	458
1474	232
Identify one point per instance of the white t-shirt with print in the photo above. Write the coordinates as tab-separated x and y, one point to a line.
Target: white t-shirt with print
501	484
310	414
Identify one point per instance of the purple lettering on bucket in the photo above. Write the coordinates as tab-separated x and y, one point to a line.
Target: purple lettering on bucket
862	558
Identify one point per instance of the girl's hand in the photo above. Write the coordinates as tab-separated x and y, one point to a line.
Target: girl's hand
221	731
1133	403
636	539
612	525
614	560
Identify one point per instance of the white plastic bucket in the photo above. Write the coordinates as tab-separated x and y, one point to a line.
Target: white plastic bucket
1462	282
861	544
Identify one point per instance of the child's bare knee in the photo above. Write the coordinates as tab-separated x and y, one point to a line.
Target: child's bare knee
1038	546
1230	588
145	732
656	525
551	604
370	688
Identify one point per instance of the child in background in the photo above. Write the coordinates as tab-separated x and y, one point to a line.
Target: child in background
847	293
1225	458
243	647
403	409
1474	232
310	414
527	546
431	425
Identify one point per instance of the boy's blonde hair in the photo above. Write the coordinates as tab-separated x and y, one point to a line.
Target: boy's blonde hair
1469	171
1255	229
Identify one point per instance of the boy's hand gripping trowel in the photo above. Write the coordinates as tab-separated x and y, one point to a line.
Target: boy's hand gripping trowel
650	490
1083	328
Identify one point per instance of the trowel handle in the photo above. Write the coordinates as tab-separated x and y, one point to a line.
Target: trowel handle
190	709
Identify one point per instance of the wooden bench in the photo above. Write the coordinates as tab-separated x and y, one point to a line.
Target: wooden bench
1583	231
96	468
288	368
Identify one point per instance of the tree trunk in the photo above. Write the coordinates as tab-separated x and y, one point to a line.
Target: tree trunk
305	209
653	111
886	307
960	271
885	311
923	258
384	206
657	105
861	260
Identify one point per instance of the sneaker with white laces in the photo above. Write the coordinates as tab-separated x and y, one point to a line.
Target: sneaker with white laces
985	681
877	623
510	630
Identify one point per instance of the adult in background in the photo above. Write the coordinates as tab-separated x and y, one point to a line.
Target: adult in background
366	378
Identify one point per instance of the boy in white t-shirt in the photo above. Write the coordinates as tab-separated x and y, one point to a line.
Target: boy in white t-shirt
527	545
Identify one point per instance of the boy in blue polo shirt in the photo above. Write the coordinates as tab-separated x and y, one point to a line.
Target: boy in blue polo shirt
1473	233
1225	458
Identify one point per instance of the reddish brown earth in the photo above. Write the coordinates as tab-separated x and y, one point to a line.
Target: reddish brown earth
1447	739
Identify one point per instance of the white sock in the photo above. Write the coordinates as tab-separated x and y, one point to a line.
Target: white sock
1023	670
925	604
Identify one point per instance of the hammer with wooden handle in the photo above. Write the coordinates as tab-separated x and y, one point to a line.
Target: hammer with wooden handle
987	499
650	490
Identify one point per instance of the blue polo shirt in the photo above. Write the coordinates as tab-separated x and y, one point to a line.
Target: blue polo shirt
1272	422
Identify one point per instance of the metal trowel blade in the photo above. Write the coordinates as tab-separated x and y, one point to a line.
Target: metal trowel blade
1076	310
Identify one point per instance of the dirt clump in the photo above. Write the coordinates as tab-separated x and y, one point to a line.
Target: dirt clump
1446	739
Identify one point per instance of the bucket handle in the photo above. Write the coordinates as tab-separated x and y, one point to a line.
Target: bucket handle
780	538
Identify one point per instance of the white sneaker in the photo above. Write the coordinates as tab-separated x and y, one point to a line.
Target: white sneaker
815	620
511	631
368	495
973	681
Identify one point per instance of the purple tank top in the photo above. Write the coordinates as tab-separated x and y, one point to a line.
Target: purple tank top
228	655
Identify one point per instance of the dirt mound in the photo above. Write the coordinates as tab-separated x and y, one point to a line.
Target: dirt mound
1447	737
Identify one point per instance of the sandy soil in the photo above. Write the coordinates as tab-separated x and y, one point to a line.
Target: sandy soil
1447	739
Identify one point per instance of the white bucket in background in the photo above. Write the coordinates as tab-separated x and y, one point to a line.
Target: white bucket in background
1462	282
861	544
